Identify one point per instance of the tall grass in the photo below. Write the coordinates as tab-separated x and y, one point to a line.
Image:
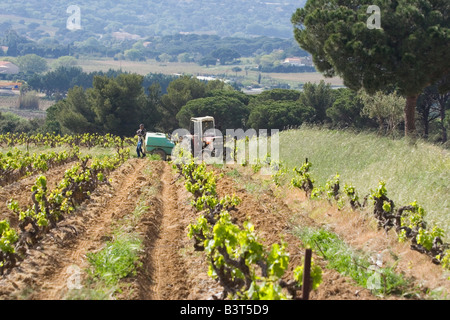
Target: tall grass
412	172
29	100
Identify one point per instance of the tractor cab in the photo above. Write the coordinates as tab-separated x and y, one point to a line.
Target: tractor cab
204	136
201	125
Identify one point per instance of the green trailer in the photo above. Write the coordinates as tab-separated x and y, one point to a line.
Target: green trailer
158	143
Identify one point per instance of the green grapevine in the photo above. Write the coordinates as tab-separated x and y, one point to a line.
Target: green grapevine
16	164
50	207
315	273
8	239
303	179
237	258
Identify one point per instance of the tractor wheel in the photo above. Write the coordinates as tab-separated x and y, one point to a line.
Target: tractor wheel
160	153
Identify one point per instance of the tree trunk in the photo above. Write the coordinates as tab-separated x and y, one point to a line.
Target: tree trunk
444	130
442	99
380	125
426	122
410	113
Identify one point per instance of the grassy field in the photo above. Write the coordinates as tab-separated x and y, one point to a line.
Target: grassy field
247	77
9	101
412	172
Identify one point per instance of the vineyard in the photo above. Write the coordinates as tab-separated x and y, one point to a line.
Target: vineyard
82	218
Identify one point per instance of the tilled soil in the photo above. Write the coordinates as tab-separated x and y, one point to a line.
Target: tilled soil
170	267
47	268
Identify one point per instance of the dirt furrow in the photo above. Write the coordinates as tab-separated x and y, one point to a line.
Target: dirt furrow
169	271
172	269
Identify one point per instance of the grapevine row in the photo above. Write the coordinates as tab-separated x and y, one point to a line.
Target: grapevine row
87	140
16	164
52	206
407	221
237	259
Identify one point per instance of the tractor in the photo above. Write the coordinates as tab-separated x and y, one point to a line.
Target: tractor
203	139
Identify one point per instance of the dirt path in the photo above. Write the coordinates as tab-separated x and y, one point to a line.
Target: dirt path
168	267
173	270
98	229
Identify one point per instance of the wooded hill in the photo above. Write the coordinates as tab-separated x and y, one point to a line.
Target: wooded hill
152	17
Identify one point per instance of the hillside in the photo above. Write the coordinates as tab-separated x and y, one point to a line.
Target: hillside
150	18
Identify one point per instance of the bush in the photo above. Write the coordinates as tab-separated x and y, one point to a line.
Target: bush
29	100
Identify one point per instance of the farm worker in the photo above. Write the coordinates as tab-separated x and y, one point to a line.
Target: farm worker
141	137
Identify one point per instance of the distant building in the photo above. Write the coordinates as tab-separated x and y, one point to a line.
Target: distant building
125	36
15	86
206	78
7	67
293	61
299	61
